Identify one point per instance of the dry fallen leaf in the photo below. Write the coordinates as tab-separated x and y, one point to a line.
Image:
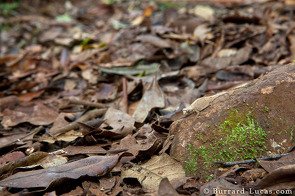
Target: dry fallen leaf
118	122
154	93
11	157
37	115
91	166
166	189
152	172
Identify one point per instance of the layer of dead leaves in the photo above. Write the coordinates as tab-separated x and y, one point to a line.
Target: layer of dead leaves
88	90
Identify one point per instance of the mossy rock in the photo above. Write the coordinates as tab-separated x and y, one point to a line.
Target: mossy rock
262	110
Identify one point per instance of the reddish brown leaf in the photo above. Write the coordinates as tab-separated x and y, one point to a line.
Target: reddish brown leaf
11	157
25	161
8	102
36	115
30	96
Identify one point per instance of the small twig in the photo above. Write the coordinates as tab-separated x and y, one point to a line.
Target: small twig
36	130
125	95
99	152
229	164
1	38
74	125
108	151
87	103
86	190
147	170
117	151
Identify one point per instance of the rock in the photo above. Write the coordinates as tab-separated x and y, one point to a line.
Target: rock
268	102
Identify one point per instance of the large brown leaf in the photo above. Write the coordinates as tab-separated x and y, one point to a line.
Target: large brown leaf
91	166
152	98
37	115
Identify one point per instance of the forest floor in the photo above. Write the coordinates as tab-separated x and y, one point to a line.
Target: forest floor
89	90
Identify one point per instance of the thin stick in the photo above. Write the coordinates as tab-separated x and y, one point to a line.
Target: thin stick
145	169
36	130
1	38
99	152
229	164
74	125
125	95
87	103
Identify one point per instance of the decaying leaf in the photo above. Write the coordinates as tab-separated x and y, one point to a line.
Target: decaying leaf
270	166
152	172
156	41
118	122
282	177
37	115
153	92
166	189
25	161
58	65
140	145
92	166
11	157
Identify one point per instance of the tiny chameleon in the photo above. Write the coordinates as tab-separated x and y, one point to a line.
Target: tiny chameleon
200	104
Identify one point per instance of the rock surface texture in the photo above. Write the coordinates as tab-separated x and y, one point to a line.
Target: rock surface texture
271	100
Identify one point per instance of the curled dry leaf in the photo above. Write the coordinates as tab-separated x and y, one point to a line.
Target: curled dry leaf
281	177
28	160
228	57
156	41
74	125
121	123
140	147
150	173
154	93
30	96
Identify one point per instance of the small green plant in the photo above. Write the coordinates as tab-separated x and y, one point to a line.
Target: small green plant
85	41
191	166
164	5
110	2
279	133
238	138
7	9
266	108
285	131
64	18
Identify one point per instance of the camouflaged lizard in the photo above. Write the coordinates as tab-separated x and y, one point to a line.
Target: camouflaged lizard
200	104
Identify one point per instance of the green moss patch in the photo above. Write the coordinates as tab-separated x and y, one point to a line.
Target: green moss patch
239	137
